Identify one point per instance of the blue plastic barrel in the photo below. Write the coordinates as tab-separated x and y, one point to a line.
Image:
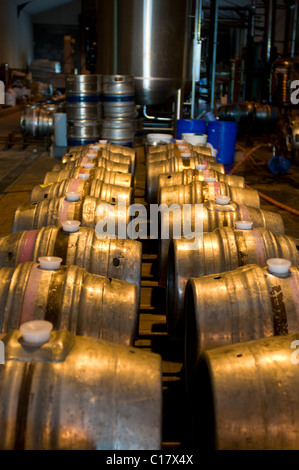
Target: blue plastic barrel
195	126
223	135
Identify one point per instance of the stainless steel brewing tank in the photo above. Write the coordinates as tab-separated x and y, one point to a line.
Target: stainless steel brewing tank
150	39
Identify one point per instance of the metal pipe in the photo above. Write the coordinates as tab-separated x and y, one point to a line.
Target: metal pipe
197	46
154	117
287	31
268	29
294	30
179	104
214	9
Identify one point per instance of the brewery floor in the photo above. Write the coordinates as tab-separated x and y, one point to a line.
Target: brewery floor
21	169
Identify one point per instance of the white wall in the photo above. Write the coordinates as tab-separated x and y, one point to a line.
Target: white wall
16	36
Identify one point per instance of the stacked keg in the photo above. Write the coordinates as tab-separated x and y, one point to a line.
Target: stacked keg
84	108
118	126
69	313
232	283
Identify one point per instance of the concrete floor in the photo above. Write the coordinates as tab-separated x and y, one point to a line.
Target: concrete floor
20	171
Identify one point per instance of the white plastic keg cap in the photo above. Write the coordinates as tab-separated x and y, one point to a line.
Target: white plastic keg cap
91	155
71	226
97	147
244	225
73	196
223	200
50	263
179	141
200	167
83	176
103	142
87	165
186	154
279	265
36	331
210	179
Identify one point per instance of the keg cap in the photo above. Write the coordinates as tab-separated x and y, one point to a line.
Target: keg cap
278	265
71	226
103	142
179	141
244	225
83	176
50	263
223	200
36	332
201	167
210	179
186	154
97	147
73	196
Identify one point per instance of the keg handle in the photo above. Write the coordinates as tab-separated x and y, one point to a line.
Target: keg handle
55	350
212	206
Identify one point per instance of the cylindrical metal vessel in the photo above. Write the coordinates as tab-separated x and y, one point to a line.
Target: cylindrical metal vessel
168	148
83	132
106	175
103	153
246	396
199	192
160	156
116	259
292	135
90	211
91	187
118	97
206	218
173	165
97	161
76	393
131	34
71	298
83	97
223	250
106	148
119	131
284	72
37	122
188	176
115	157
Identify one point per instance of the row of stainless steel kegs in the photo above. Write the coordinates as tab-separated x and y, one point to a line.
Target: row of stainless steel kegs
69	315
100	106
232	290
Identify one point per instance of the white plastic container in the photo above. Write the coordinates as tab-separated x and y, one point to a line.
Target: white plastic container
167	138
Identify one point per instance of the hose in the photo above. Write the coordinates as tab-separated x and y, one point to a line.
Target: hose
262	195
247	155
276	203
